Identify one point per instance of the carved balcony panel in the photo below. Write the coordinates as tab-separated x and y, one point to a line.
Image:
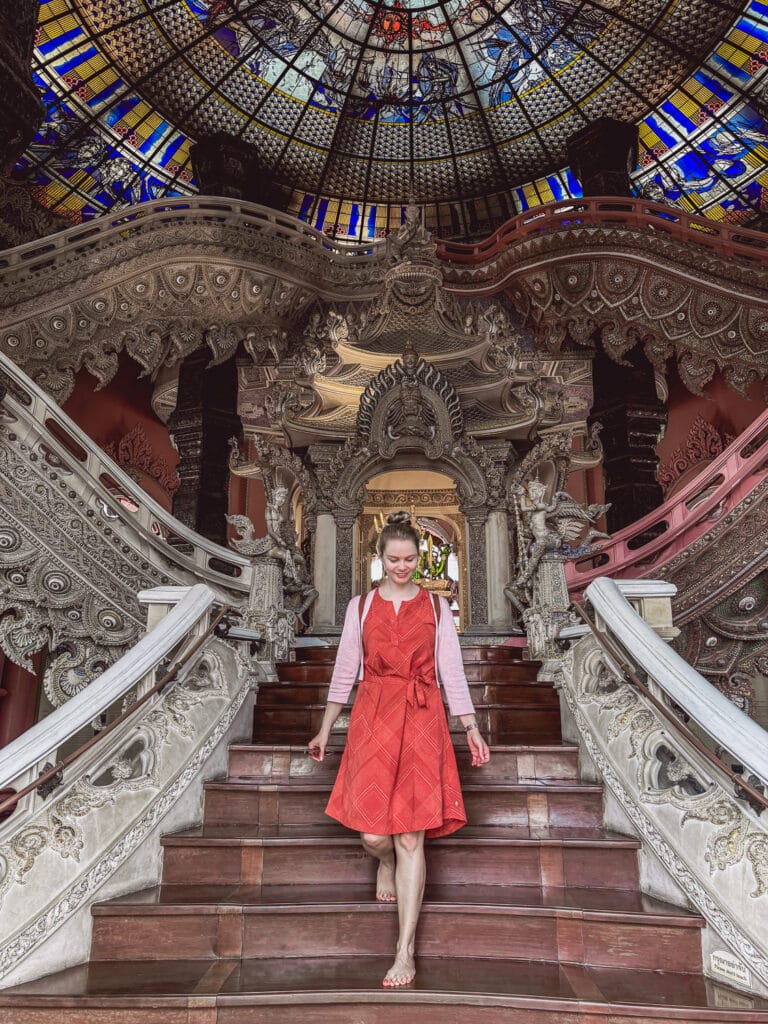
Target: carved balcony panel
78	541
171	276
700	831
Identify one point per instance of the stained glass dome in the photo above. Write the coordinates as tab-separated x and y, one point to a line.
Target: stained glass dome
357	105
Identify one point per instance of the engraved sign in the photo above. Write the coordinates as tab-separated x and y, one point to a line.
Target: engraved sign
728	966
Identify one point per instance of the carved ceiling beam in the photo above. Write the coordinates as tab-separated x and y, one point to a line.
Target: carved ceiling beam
158	316
637	286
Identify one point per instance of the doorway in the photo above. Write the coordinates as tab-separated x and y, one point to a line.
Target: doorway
433	502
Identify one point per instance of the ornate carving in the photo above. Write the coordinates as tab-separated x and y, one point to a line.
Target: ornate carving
721	605
404	499
409	382
133	453
280	543
619	728
131	824
551	526
703	443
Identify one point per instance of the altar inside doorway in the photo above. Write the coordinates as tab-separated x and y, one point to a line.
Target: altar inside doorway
433	502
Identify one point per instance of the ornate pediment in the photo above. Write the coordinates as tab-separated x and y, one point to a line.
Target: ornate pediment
407	402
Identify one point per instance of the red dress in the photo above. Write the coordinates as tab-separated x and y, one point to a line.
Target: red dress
398	772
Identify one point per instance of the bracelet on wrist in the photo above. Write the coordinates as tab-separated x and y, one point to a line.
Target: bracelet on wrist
472	725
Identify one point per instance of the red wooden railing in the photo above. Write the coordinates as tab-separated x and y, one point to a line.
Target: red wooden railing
640	549
724	238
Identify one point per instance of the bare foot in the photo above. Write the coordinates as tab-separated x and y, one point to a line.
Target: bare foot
385	882
402	971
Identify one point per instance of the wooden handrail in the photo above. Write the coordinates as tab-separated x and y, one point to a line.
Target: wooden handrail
170	675
626	667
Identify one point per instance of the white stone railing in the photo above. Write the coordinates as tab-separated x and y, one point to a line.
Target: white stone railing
76	242
22	759
705	842
124	498
98	834
79	540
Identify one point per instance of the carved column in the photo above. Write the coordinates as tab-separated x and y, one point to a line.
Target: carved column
478	569
345	556
201	424
498	569
602	156
224	165
21	109
324	572
633	418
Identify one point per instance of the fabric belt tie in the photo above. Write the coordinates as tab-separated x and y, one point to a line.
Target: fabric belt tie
416	687
416	693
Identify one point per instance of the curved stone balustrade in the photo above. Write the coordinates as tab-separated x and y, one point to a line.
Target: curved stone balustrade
629	272
712	843
726	239
99	832
163	279
79	539
647	545
24	756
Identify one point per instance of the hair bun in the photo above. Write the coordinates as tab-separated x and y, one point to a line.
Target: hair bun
399	518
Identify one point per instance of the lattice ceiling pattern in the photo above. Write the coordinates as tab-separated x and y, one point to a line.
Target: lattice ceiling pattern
355	105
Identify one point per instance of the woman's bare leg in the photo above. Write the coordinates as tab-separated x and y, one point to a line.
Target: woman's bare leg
410	874
383	849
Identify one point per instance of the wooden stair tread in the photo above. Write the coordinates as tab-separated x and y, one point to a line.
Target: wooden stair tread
501	748
625	904
502	785
443	982
469	836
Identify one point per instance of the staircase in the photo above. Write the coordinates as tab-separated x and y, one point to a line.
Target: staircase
532	913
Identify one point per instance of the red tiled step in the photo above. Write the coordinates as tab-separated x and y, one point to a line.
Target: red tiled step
591	927
499	724
476	672
345	990
521	763
332	854
504	693
521	804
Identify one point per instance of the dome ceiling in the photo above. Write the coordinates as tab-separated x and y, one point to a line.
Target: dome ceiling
356	105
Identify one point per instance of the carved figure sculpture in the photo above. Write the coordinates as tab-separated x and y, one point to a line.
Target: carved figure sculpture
549	526
279	543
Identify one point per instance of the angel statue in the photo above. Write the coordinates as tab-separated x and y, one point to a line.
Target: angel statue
549	527
280	543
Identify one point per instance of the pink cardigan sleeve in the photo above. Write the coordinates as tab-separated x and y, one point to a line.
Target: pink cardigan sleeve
347	666
450	667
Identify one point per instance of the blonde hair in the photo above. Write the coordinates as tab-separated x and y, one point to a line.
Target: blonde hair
398	527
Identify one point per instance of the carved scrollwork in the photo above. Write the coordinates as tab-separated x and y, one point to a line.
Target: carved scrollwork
410	380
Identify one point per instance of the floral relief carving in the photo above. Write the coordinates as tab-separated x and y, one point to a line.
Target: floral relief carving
150	292
133	453
68	581
703	443
681	809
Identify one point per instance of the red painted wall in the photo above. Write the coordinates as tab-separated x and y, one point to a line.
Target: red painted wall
111	413
727	411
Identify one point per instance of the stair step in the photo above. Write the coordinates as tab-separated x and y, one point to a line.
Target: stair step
508	694
475	671
521	803
330	854
499	653
342	990
511	763
499	724
603	928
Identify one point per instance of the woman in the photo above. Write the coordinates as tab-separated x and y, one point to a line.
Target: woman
398	779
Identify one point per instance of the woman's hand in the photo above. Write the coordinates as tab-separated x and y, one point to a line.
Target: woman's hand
316	746
479	748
